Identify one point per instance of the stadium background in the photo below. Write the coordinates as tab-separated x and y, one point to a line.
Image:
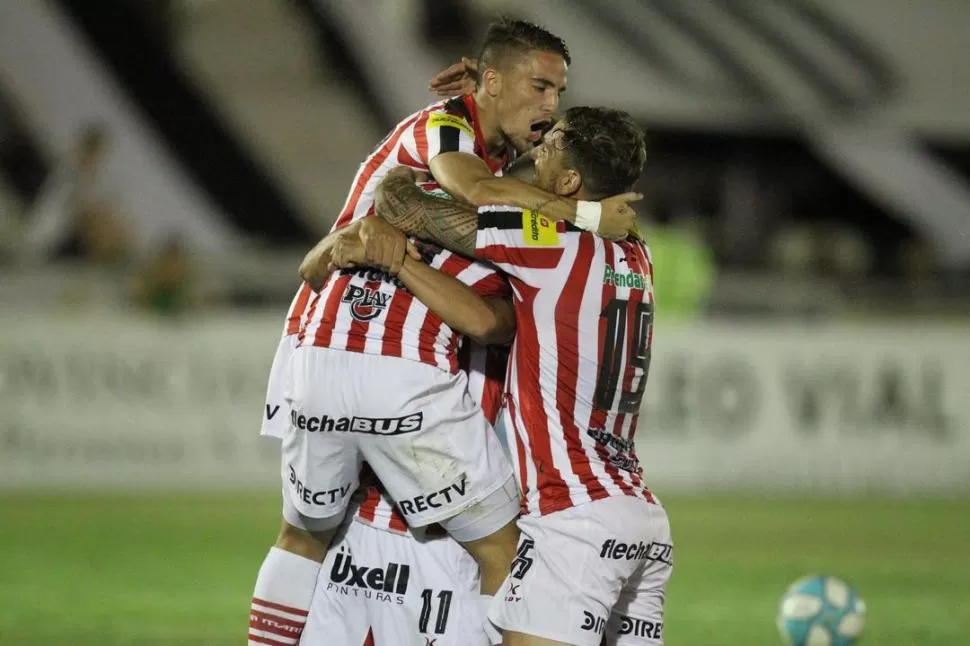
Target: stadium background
164	164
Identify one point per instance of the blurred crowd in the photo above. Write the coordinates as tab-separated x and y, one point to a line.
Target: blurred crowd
75	219
707	223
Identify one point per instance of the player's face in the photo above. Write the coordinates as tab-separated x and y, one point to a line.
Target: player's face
550	161
529	97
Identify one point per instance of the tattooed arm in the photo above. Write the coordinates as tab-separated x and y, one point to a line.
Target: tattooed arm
452	224
468	179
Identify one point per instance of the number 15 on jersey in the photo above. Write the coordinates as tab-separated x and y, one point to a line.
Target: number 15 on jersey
625	360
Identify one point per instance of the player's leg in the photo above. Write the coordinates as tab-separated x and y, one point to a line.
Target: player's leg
570	571
338	617
638	616
320	472
286	580
450	469
399	589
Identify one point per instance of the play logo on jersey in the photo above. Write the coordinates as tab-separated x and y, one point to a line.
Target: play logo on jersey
388	583
365	303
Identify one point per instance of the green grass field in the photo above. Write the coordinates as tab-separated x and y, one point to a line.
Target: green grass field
178	569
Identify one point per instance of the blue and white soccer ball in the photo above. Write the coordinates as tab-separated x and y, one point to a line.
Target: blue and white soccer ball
821	611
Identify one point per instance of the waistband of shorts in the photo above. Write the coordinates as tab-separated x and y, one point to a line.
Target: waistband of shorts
341	339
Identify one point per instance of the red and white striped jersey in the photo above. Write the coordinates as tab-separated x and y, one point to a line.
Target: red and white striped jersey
486	367
584	312
366	310
369	311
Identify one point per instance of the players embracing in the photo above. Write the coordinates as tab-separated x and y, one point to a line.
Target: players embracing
595	553
574	457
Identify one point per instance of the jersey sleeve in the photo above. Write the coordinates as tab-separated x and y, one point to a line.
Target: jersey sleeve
442	132
520	241
484	279
489	283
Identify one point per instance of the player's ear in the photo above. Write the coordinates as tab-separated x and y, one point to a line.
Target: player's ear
568	182
492	82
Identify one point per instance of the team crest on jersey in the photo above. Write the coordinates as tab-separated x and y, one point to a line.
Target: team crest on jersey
538	230
365	304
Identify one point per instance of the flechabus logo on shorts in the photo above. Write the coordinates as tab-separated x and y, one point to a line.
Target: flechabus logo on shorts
365	303
373	425
435	499
641	628
615	550
388	583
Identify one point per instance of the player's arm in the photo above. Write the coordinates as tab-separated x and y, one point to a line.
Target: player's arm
377	244
450	223
449	152
467	178
518	241
487	321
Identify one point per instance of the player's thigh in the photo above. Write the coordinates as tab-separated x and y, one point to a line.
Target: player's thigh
320	468
447	460
407	590
571	569
335	619
638	616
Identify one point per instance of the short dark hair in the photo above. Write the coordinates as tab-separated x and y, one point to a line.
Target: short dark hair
606	146
507	39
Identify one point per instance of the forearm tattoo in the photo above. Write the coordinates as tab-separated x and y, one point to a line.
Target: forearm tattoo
451	224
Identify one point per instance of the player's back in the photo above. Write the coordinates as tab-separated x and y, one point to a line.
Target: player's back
579	364
365	310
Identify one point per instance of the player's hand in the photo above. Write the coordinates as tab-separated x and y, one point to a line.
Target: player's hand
317	266
405	172
455	79
347	251
618	218
414	252
384	245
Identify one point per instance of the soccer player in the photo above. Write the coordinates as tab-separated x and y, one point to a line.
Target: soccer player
384	582
374	376
595	551
444	565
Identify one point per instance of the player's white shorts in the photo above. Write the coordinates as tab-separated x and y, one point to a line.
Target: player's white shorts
415	425
276	412
597	569
403	590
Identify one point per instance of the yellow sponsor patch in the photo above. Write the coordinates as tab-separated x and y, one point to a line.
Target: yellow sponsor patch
440	119
538	230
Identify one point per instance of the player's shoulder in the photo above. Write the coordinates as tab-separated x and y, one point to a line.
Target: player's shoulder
452	113
537	230
500	216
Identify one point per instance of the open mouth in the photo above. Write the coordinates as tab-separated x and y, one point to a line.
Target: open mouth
539	128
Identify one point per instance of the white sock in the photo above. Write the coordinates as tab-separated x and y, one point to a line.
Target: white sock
281	599
491	630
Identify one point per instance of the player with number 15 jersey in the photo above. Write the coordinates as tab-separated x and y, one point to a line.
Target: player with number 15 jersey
584	314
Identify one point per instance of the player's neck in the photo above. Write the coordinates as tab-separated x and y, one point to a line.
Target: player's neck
488	124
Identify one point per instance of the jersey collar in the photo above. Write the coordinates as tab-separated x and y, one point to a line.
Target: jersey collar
494	164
